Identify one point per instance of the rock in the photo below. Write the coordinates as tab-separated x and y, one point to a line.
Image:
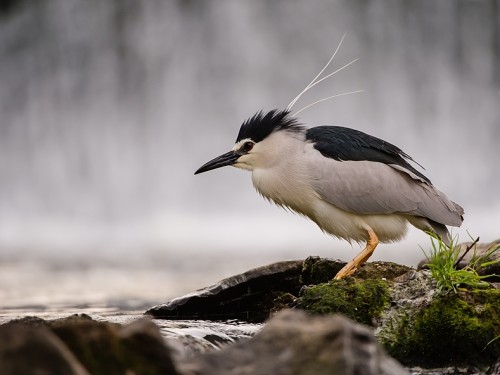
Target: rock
296	343
446	371
248	296
34	350
318	270
108	348
417	325
361	300
143	339
253	295
495	369
425	328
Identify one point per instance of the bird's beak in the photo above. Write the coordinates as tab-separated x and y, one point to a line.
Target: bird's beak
229	158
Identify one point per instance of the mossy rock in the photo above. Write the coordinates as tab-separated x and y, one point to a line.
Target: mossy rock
382	270
360	300
418	325
316	270
452	329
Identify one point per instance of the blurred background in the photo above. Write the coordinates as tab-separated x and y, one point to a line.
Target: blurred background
108	107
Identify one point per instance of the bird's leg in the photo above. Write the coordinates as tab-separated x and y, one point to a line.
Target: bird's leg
361	258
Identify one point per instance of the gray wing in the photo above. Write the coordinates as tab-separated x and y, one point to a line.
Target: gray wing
367	187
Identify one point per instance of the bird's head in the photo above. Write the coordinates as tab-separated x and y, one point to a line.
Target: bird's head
261	139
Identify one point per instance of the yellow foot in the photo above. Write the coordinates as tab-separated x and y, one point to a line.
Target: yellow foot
361	258
347	270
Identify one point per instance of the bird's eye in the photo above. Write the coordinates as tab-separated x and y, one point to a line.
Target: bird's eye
247	146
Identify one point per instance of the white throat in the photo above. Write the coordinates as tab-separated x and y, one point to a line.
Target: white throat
275	161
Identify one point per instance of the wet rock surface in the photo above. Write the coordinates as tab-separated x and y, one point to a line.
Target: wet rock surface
188	338
249	296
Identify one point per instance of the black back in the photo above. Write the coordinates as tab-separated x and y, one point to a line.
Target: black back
344	144
261	125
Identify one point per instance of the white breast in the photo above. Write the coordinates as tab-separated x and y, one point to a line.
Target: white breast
284	177
281	189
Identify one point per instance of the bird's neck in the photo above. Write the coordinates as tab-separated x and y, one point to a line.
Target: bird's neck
286	182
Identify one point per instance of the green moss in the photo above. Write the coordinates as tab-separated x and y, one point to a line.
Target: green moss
360	300
453	329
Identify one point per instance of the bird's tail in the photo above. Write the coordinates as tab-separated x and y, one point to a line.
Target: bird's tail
441	231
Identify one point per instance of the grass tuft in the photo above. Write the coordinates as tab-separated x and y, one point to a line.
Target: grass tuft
443	260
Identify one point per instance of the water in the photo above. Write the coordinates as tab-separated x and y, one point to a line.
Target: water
108	108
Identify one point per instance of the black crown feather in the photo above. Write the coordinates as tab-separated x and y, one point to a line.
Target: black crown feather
261	125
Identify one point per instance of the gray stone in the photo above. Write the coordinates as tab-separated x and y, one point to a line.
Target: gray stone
101	347
30	350
108	348
294	343
143	338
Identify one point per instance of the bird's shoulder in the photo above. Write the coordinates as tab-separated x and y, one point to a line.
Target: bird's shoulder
346	144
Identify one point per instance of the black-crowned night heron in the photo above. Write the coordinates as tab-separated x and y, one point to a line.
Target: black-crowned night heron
352	185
